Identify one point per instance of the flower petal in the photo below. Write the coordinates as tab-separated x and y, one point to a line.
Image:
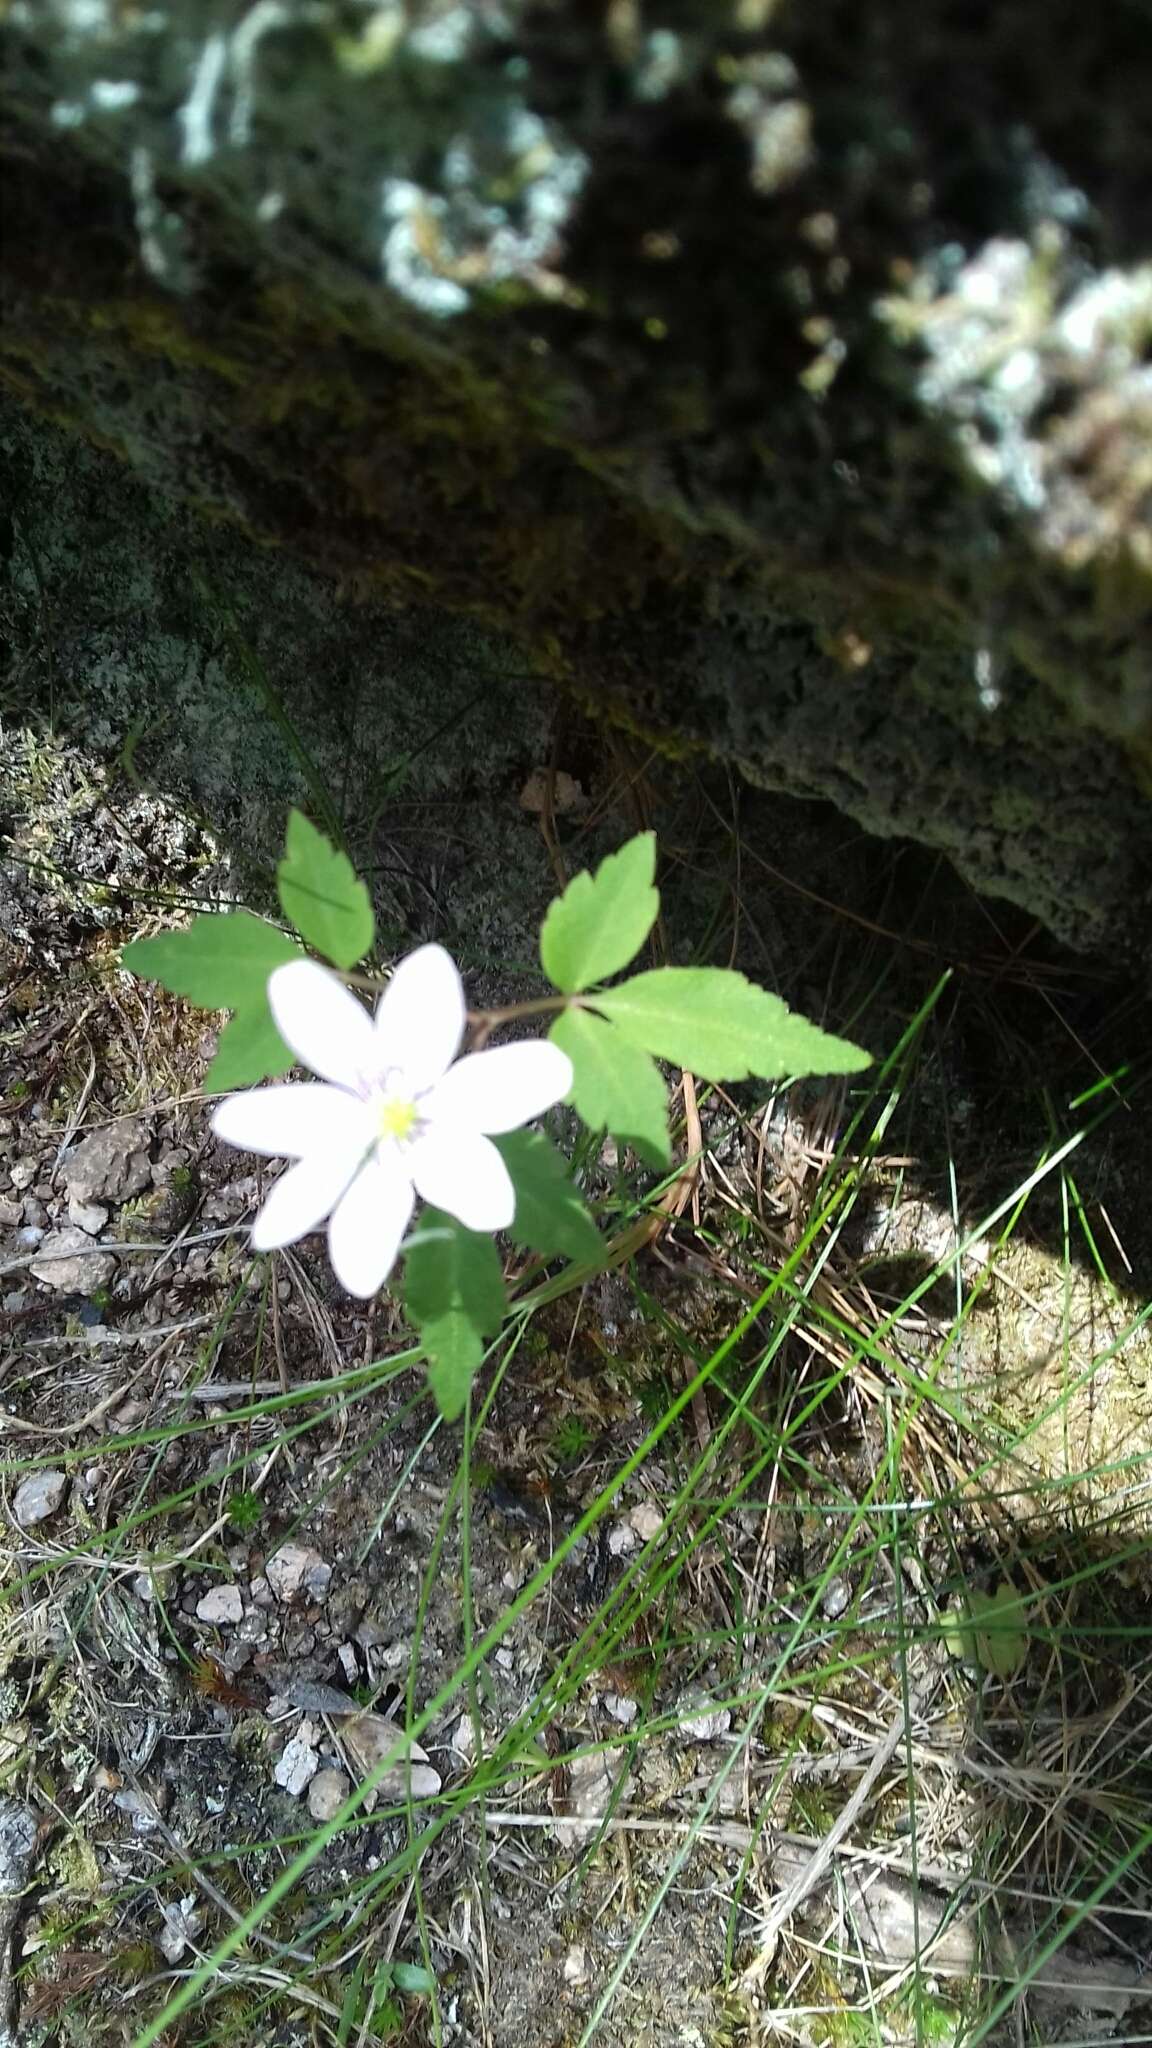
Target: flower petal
304	1196
367	1225
327	1029
462	1172
420	1017
501	1089
293	1119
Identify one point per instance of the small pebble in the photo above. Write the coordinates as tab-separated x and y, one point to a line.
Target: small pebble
299	1763
295	1569
463	1738
23	1172
646	1520
576	1966
110	1164
705	1727
68	1262
88	1216
10	1214
221	1605
327	1793
39	1496
837	1595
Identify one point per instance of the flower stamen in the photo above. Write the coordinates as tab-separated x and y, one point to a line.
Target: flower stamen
398	1115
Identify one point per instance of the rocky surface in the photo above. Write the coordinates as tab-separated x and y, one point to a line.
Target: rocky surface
774	375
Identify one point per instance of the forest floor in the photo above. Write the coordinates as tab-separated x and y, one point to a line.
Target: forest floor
770	1646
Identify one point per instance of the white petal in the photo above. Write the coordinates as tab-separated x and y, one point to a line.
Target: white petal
304	1196
462	1172
288	1121
327	1029
367	1225
420	1017
501	1089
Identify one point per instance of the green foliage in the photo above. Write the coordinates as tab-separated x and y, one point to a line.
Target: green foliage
991	1631
550	1216
222	961
321	894
601	921
454	1294
245	1511
571	1439
615	1085
719	1025
709	1020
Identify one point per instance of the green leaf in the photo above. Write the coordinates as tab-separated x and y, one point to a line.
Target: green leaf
550	1216
601	921
615	1087
222	962
454	1294
989	1630
1000	1633
455	1351
410	1979
719	1025
322	895
249	1049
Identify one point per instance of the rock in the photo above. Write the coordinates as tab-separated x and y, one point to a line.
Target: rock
706	1725
368	1739
621	1708
925	251
646	1520
327	1793
298	1762
591	1784
110	1165
296	1571
182	1921
837	1595
221	1605
18	1831
23	1172
91	1217
38	1497
463	1739
576	1971
11	1214
142	1811
67	1261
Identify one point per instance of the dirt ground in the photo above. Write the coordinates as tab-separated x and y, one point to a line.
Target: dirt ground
202	1602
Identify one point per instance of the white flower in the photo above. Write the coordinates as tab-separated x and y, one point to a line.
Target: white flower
391	1118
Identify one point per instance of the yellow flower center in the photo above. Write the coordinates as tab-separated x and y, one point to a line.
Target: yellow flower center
397	1116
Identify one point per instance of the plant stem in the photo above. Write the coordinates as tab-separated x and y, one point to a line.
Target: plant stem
480	1021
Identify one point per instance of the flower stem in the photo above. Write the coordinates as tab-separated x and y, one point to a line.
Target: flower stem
482	1021
544	1005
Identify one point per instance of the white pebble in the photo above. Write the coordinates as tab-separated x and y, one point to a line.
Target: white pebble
327	1793
39	1496
222	1605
